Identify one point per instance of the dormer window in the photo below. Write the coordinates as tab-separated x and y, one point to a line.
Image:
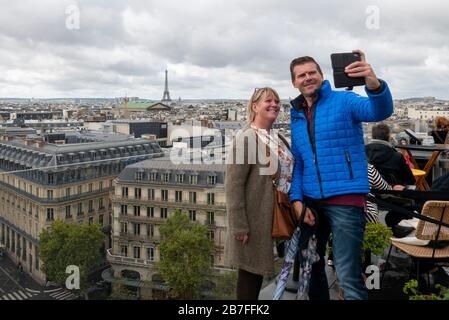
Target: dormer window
211	180
180	178
193	179
139	175
166	177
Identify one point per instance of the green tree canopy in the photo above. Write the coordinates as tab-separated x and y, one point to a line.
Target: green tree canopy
186	254
120	292
70	244
225	285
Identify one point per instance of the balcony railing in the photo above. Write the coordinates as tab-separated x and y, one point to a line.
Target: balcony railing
142	218
45	200
135	237
169	202
127	260
210	223
19	230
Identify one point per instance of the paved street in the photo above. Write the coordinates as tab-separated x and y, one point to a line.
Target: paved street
60	294
20	286
11	284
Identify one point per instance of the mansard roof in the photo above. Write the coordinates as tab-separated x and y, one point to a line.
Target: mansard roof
165	165
100	147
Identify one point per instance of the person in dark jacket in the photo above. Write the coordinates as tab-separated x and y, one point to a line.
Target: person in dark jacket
331	171
441	183
386	159
393	168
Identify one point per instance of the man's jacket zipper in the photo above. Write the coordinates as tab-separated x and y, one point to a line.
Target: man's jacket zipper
348	161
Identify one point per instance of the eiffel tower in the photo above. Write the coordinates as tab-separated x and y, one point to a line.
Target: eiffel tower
166	96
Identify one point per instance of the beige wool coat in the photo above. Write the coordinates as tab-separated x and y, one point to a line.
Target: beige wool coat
249	201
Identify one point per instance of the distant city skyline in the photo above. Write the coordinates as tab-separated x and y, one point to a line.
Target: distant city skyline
213	49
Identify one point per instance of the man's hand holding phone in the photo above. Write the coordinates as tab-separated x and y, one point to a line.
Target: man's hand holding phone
363	69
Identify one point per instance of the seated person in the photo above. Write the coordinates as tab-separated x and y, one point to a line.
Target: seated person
376	182
439	134
384	157
393	168
441	183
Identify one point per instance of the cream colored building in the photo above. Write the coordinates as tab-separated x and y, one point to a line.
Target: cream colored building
146	194
68	176
426	114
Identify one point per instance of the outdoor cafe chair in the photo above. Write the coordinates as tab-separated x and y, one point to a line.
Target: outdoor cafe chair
437	251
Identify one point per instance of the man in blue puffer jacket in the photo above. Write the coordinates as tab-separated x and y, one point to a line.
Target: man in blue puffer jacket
331	171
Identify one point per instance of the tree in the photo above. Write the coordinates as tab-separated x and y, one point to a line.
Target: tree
225	285
65	244
185	256
120	292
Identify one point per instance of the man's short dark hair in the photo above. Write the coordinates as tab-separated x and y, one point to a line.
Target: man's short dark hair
381	132
303	60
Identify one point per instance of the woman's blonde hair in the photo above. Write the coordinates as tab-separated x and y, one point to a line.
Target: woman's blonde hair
258	95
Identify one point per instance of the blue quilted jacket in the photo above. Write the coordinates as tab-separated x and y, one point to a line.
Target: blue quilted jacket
331	160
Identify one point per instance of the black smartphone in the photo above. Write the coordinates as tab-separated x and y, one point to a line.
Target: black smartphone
339	63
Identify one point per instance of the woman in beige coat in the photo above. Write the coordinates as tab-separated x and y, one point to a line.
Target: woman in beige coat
256	155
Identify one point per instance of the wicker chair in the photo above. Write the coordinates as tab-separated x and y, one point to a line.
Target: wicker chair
437	210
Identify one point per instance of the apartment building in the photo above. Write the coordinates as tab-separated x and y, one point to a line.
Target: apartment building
146	194
68	177
426	114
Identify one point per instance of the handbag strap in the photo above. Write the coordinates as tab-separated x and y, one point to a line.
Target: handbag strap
281	137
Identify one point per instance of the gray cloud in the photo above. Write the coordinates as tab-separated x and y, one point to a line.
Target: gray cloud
213	49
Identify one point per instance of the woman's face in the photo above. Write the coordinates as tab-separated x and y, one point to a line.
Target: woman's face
267	108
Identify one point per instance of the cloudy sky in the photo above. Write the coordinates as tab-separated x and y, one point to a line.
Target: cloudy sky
213	48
